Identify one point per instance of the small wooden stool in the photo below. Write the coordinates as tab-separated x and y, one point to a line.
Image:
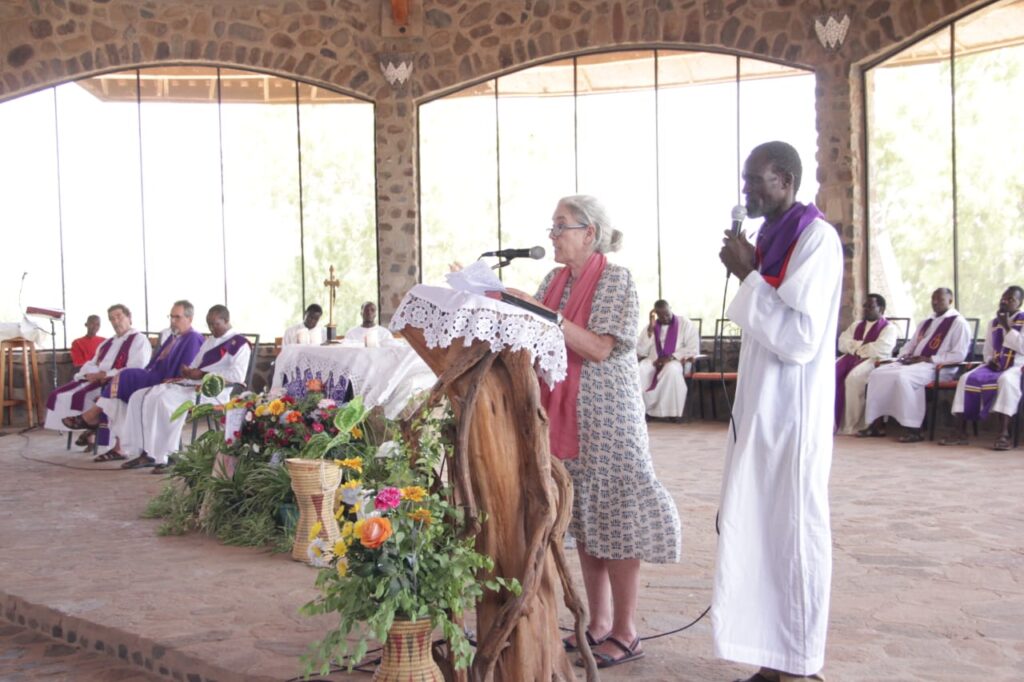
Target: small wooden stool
8	348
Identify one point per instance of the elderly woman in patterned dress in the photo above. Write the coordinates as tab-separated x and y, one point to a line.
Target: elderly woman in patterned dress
621	514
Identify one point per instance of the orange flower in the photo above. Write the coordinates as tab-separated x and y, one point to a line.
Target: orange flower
293	417
374	532
315	385
421	515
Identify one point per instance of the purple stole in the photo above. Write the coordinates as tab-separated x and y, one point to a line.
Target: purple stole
775	242
671	339
845	364
166	364
81	387
935	342
229	347
982	383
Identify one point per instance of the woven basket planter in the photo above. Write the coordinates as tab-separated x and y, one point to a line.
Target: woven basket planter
407	654
315	484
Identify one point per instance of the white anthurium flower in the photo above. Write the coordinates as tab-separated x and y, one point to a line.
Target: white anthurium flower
320	553
389	448
351	495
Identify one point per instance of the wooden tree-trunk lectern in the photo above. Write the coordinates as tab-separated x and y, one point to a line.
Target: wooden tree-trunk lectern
502	466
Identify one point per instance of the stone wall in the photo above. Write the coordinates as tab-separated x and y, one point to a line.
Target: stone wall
337	43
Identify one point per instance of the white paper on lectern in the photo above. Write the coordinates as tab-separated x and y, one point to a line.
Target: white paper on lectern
476	278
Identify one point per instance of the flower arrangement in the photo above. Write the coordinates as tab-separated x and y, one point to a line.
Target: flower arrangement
402	553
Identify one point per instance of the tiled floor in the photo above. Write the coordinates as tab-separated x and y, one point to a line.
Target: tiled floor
928	575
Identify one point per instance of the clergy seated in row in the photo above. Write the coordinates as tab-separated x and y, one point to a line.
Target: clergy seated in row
111	405
84	347
306	333
862	344
897	389
127	349
994	386
368	333
149	435
666	348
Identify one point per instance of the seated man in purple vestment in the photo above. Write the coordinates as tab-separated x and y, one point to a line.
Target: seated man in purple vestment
171	358
862	344
995	385
665	350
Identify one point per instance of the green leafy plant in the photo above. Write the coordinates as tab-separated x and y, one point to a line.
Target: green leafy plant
402	553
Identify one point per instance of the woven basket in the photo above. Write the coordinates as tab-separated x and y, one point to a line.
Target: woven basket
315	483
407	656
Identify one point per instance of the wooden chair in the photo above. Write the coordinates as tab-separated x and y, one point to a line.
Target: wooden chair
937	385
30	380
154	338
711	370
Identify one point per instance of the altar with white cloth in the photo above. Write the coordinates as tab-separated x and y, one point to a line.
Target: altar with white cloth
387	376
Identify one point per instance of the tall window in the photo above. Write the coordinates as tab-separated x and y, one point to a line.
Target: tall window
216	185
656	135
946	165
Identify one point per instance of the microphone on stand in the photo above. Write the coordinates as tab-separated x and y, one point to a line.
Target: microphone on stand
534	252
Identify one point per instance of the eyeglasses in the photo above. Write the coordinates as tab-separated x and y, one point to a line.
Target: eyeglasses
557	230
175	317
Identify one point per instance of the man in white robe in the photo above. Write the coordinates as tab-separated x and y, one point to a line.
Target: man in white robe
665	349
369	333
864	342
994	386
896	389
127	348
774	566
306	333
149	434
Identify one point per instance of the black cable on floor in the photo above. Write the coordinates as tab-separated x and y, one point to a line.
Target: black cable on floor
21	453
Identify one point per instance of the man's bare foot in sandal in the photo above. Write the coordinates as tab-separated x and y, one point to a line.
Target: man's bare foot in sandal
109	456
142	460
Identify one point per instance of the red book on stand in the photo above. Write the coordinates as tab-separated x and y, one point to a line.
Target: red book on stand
52	313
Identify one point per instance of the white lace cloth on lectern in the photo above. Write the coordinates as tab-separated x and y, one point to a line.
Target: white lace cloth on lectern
446	314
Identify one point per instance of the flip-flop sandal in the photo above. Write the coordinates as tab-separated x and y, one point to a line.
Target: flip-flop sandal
871	433
77	423
911	438
109	456
1002	444
139	462
756	677
953	440
571	647
630	653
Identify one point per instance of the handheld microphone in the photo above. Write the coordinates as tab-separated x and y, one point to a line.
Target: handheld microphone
738	214
534	252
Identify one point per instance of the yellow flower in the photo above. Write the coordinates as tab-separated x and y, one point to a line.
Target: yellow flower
414	493
353	463
354	483
358	527
348	530
261	410
342	568
356	507
340	548
315	530
315	549
338	514
276	408
356	432
421	515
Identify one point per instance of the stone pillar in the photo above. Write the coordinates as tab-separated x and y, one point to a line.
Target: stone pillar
398	239
838	172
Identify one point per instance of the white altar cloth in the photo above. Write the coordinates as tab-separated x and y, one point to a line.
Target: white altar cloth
26	330
446	314
387	376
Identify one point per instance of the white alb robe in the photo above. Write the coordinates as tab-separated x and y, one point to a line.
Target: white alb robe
668	398
857	380
774	568
148	427
370	337
1008	384
138	356
897	390
303	336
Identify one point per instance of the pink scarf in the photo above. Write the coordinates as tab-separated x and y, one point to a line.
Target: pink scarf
560	401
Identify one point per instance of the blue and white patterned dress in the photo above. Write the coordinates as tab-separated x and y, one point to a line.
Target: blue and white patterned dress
620	510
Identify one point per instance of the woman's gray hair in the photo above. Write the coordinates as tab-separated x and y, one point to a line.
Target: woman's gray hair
588	211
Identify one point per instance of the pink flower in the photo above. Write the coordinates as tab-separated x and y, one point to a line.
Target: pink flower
318	427
388	498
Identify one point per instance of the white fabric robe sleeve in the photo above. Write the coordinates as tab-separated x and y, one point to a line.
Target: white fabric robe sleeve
791	320
847	344
688	343
1014	340
988	351
956	345
231	367
644	344
290	336
93	365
